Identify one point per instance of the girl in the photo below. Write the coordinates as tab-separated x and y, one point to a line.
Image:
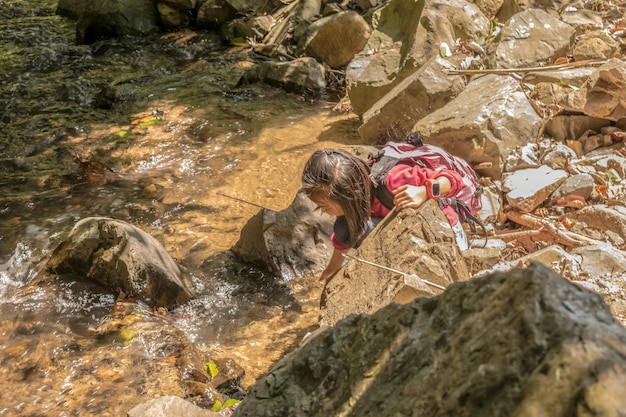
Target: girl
339	183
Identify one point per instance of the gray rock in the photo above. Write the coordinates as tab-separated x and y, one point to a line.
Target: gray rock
290	243
121	256
334	40
484	123
299	75
581	19
579	185
602	95
432	255
526	189
601	217
427	89
170	406
526	342
530	38
404	38
595	45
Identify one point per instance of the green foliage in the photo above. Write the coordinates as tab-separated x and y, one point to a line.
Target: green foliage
211	368
230	402
150	122
217	406
240	42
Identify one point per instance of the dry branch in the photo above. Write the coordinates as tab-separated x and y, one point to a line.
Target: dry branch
562	237
529	69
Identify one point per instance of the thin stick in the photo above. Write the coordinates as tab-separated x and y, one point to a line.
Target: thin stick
391	270
241	200
528	69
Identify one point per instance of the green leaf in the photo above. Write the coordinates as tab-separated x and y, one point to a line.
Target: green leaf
211	368
239	42
153	121
230	402
125	134
217	406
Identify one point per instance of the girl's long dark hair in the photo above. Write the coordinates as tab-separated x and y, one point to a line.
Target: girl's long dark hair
343	177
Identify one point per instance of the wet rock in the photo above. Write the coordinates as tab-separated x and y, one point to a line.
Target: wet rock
170	406
252	7
122	257
526	189
299	75
212	13
417	242
334	40
110	19
486	126
291	243
176	14
466	352
530	38
254	27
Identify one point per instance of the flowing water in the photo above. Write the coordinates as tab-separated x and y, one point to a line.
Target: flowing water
155	132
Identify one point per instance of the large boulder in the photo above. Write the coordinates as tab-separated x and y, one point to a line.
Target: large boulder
405	36
291	243
525	342
111	18
297	76
122	257
335	39
418	241
532	37
484	123
603	94
427	89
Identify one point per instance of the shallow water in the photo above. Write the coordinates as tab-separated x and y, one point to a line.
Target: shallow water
153	132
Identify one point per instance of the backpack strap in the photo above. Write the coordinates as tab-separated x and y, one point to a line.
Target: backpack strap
383	194
465	215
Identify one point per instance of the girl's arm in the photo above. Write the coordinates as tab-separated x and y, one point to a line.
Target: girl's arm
408	183
413	196
335	263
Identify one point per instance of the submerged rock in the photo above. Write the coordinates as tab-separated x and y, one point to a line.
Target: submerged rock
122	257
524	342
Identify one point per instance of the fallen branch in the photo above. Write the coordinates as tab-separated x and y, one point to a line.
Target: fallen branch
404	274
562	237
507	71
511	236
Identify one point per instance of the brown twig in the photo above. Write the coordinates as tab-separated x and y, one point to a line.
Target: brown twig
558	236
528	69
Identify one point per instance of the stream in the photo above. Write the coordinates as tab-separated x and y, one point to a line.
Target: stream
152	131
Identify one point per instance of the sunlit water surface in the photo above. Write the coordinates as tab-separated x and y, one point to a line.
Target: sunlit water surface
153	132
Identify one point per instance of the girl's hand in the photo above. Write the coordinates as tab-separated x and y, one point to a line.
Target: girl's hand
409	196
